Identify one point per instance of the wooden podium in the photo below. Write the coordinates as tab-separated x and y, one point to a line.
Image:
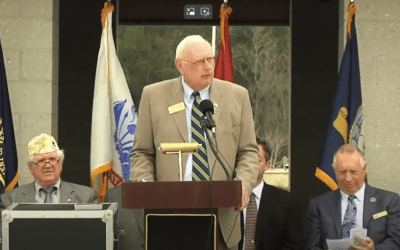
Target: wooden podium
176	204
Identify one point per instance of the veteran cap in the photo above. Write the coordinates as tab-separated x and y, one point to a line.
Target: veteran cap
41	144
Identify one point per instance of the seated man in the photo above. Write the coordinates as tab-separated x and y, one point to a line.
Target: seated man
131	221
354	205
278	222
45	161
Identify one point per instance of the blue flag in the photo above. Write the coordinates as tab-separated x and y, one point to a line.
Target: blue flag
8	151
346	117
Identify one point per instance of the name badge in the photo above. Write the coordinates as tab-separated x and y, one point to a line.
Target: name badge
176	108
380	214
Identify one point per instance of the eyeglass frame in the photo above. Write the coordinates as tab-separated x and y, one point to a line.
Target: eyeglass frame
39	163
203	60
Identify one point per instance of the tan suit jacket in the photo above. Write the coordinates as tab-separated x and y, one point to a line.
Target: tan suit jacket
234	131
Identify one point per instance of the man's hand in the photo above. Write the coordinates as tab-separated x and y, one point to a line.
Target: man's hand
367	244
245	198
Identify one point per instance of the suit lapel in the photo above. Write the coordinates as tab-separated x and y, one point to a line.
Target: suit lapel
67	193
216	93
28	193
335	210
369	206
175	97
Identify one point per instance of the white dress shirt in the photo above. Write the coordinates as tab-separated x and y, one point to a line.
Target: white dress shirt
41	196
359	201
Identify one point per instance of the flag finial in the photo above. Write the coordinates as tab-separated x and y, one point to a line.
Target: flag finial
351	9
108	7
225	12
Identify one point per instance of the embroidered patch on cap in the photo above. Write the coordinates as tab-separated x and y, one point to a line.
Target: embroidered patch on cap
41	144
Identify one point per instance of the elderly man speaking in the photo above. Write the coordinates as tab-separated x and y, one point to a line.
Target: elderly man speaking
169	112
45	162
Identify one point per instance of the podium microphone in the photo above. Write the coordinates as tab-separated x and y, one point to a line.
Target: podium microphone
207	108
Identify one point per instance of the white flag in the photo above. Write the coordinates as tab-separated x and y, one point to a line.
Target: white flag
113	116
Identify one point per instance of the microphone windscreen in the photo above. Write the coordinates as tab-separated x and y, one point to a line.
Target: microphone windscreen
206	105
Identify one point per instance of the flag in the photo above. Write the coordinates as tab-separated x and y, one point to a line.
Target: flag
113	116
9	173
346	117
224	65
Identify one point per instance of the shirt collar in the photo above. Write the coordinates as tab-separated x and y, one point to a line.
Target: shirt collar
188	91
257	191
57	185
359	194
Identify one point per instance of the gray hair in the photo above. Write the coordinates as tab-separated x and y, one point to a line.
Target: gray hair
349	149
189	40
59	152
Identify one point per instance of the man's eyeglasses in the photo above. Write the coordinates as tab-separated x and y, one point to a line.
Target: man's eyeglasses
43	162
201	62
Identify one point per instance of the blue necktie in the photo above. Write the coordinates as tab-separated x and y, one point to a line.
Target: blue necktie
200	169
48	192
349	220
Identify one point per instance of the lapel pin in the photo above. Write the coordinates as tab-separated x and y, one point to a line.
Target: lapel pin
215	107
373	199
69	200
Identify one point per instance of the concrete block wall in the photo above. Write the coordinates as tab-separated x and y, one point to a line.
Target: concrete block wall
30	54
378	30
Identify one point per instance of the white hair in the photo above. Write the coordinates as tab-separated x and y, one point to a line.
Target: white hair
189	40
349	149
59	152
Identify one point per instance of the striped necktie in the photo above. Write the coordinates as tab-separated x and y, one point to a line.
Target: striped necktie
349	220
48	192
200	169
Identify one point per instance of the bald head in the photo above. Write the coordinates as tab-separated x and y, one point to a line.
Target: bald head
349	149
191	43
195	62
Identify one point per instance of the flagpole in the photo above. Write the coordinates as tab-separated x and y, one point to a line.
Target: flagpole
213	37
214	29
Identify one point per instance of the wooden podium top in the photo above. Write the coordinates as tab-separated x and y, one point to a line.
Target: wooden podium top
185	194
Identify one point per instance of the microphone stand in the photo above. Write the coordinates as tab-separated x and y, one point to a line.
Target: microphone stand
211	139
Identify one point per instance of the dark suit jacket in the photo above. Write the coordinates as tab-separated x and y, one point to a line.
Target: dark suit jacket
279	221
324	217
70	193
235	138
129	220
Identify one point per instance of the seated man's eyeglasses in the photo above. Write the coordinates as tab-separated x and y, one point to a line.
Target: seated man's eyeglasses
199	62
43	162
